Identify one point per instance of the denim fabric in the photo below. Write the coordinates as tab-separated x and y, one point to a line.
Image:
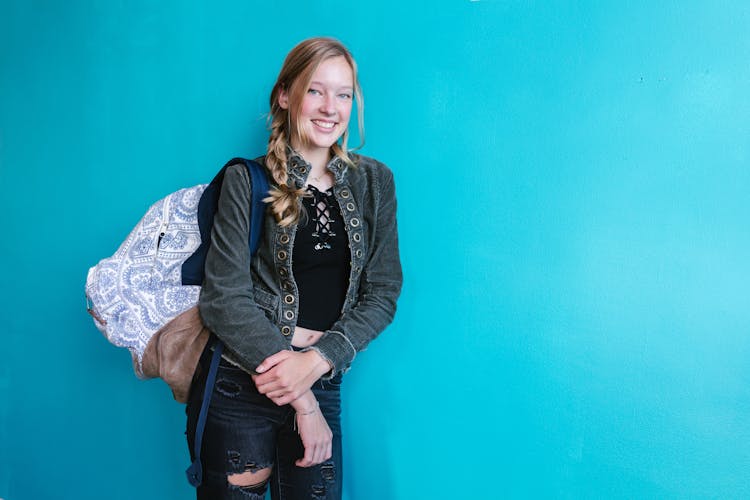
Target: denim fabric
251	303
245	431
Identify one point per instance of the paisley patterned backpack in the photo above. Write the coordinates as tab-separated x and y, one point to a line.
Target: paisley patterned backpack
145	296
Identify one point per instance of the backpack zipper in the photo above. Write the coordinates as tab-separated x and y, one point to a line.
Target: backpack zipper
164	222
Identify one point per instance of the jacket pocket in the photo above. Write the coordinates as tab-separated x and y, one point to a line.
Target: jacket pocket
268	302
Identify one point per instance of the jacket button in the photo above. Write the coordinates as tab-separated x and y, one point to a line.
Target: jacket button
285	331
283	272
289	315
345	193
289	298
287	286
350	206
284	239
358	253
281	255
357	237
355	222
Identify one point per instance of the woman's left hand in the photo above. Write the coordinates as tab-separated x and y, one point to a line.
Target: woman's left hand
286	375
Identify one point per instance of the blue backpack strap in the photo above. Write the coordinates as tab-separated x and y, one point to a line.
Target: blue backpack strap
195	471
259	184
193	267
260	187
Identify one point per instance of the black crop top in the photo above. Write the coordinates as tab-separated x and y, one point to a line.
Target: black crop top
320	261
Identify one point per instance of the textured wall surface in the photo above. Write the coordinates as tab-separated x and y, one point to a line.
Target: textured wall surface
574	194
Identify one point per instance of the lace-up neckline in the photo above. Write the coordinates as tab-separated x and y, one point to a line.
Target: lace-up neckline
322	217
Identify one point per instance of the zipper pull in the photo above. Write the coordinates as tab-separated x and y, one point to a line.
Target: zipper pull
162	232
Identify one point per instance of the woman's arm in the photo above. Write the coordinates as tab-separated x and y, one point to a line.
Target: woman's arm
314	431
227	304
379	288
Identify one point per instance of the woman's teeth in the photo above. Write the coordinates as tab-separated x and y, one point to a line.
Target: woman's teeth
324	124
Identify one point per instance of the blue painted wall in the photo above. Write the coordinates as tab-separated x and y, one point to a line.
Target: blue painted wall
574	191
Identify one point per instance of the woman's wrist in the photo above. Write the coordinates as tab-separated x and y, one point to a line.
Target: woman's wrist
322	365
311	411
306	404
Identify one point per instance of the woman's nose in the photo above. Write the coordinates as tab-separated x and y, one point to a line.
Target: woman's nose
328	104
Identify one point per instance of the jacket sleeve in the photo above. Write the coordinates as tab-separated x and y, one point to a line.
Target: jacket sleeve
379	289
226	302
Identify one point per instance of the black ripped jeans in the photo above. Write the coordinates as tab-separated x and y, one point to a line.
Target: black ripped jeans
246	431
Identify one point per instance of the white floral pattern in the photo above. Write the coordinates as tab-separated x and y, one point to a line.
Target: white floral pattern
139	289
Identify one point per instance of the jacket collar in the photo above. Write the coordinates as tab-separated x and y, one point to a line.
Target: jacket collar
298	169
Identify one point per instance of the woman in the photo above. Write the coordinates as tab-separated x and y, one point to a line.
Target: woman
322	285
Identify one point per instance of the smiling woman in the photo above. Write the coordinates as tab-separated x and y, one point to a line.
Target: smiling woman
322	285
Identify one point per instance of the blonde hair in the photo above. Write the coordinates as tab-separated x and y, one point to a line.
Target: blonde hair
294	78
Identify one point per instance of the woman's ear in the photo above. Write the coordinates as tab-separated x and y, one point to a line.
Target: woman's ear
283	98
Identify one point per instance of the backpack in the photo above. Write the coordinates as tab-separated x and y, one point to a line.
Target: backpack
145	296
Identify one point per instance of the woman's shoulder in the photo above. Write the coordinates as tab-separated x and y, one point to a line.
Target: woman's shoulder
371	179
237	173
238	168
236	181
370	167
368	162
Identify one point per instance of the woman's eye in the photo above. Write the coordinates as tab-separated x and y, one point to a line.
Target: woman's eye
345	96
314	91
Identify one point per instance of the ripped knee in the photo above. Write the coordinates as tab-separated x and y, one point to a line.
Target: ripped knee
251	478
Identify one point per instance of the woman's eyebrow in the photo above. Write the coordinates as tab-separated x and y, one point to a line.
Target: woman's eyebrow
345	87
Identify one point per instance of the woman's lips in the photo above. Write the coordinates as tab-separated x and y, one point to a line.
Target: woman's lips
325	125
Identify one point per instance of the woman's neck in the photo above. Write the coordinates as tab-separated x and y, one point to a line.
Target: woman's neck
318	158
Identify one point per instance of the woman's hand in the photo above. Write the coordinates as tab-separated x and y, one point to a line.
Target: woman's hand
285	376
313	430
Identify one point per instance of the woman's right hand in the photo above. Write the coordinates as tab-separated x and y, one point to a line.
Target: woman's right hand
283	377
313	430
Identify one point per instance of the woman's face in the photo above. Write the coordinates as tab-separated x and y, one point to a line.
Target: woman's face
326	107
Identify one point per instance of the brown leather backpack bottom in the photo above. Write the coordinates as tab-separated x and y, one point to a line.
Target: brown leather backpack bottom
173	352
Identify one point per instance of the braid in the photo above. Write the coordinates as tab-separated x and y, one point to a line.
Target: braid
283	199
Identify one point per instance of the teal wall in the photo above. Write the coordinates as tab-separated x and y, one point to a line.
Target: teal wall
574	195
